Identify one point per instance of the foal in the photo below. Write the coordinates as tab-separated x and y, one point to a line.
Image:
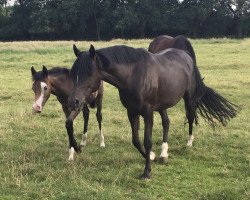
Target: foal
56	81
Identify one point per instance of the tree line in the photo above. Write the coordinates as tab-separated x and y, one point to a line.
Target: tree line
107	19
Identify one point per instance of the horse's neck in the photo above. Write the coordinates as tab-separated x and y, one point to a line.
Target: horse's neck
117	75
61	87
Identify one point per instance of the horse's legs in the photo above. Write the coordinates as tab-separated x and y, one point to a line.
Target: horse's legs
148	121
135	124
70	130
190	113
99	119
85	112
165	125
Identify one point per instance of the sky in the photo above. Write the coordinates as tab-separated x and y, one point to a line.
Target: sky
11	2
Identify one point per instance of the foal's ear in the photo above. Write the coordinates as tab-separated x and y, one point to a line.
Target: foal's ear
33	71
45	71
76	51
92	51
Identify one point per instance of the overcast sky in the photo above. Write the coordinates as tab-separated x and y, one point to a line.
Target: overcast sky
11	2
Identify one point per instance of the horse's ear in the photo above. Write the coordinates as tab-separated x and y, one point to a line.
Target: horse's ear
45	71
76	51
92	51
33	71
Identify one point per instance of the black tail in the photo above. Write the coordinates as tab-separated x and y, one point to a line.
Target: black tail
210	104
181	42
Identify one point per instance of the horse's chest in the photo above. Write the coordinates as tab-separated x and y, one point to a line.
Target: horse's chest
129	99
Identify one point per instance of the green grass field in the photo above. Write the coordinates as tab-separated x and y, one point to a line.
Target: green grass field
34	147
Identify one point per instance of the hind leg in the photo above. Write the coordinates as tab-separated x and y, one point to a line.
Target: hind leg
85	112
164	146
190	114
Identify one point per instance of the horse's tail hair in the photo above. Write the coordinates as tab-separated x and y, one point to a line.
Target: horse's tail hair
210	105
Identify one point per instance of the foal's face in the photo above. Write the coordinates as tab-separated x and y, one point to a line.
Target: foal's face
86	78
41	88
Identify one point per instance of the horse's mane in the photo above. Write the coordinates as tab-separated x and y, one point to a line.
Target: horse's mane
116	54
123	54
55	71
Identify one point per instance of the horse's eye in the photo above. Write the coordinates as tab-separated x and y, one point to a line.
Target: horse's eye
45	88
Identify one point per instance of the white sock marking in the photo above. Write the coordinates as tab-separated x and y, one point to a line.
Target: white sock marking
71	154
190	141
84	139
152	155
164	150
102	144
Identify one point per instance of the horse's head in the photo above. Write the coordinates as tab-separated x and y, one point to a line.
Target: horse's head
41	87
86	76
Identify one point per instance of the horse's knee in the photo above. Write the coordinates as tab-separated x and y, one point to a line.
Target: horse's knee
147	143
68	123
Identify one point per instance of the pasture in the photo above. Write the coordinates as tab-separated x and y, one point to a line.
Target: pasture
34	147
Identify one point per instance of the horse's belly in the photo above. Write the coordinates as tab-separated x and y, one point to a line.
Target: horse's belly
169	94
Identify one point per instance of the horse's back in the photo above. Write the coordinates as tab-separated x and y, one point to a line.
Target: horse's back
172	56
160	43
179	42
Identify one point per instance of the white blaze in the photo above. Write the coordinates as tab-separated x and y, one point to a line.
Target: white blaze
37	106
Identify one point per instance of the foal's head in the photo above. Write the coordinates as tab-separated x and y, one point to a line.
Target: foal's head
41	87
86	76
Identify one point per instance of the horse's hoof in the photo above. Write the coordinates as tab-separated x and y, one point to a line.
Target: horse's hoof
78	149
144	177
102	145
189	144
190	141
164	160
70	159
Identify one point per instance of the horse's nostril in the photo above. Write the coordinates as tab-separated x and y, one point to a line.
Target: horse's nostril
76	103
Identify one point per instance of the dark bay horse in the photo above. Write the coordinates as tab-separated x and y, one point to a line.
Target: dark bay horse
57	81
148	82
163	42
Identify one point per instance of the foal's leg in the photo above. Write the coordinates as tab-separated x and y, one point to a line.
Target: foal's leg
190	113
99	119
85	112
164	146
135	124
148	121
